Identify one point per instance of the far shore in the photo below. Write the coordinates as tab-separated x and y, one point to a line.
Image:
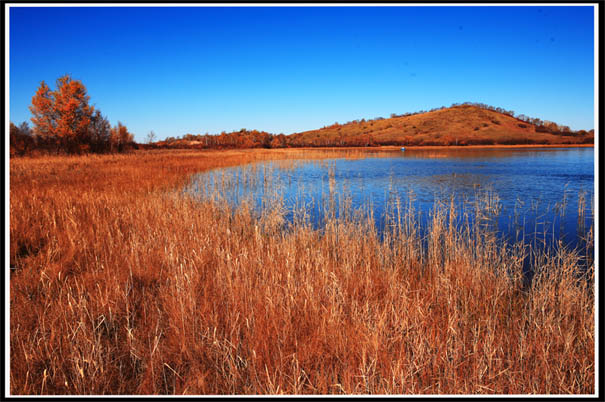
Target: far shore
398	147
390	147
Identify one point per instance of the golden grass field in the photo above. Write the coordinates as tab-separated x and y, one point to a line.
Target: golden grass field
121	284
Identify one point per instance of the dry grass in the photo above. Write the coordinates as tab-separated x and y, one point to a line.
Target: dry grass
121	285
460	125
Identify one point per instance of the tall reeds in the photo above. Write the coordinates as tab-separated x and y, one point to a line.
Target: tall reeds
121	283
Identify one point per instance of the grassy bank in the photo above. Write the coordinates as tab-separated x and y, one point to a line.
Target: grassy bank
121	285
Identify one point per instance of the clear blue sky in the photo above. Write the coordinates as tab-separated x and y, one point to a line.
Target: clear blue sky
178	70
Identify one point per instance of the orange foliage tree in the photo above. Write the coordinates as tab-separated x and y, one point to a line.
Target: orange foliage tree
120	138
278	141
44	115
62	118
21	140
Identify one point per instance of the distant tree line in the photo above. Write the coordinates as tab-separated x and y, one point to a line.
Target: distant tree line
237	139
64	122
255	139
358	137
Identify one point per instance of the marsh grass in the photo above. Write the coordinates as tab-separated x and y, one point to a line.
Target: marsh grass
123	284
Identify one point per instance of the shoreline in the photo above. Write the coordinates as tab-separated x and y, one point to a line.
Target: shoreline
495	146
377	148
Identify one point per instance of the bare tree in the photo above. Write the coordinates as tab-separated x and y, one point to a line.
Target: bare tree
151	137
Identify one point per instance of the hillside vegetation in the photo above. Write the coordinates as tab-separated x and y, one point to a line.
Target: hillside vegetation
460	124
456	125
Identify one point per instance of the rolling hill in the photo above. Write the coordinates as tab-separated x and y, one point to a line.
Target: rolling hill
461	124
456	125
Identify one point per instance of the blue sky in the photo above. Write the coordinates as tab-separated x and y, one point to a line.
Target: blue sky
179	70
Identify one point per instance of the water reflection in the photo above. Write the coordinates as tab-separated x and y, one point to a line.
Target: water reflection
539	196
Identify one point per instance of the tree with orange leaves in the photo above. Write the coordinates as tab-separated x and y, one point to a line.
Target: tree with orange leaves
62	118
120	138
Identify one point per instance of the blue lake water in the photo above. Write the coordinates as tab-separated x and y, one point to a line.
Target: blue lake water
539	195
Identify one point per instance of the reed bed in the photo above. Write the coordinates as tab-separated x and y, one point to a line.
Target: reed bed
121	283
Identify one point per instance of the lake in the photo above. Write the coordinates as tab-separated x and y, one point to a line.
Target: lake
539	196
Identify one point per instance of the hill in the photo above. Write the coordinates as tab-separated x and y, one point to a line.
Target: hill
460	124
465	124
